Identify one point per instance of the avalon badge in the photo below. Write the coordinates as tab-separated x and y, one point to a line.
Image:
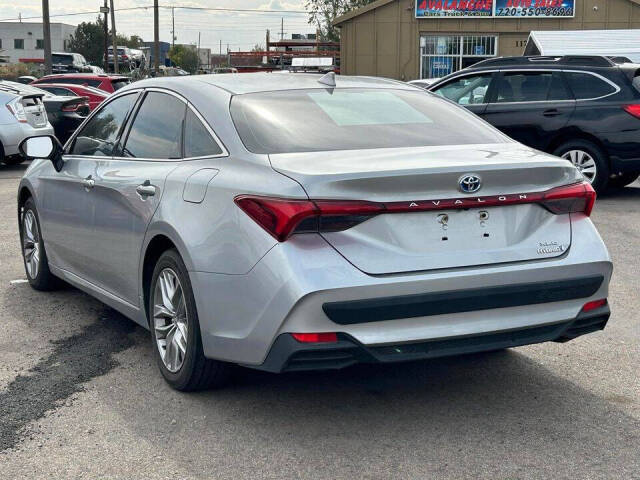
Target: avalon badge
469	183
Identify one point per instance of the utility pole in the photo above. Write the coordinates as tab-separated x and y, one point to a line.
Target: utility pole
173	27
46	33
198	51
156	37
281	28
220	48
114	39
105	10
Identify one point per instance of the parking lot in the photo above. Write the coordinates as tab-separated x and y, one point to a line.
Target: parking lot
80	396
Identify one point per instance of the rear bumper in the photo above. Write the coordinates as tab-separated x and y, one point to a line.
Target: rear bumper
289	355
242	316
13	134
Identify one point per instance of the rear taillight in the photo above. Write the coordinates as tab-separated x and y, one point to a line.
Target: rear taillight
71	108
578	198
283	217
633	110
16	108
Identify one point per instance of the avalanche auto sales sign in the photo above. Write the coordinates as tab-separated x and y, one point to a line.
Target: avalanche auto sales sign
497	8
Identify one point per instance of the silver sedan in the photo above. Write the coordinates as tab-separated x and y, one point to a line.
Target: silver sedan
295	222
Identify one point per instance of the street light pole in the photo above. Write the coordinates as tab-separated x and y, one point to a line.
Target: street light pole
114	39
46	33
156	37
105	9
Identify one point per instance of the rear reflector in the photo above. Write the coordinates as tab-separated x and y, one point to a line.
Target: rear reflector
282	217
315	337
633	110
594	305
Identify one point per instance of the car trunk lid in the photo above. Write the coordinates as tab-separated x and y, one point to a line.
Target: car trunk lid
449	228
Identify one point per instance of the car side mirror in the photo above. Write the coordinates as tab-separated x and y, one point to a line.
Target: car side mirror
43	146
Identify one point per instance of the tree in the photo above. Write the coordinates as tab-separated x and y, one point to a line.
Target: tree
185	56
88	40
258	48
323	12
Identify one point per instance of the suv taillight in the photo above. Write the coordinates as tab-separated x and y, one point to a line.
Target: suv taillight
283	217
16	108
633	110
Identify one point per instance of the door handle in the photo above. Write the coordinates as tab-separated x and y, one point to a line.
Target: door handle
88	183
146	189
552	112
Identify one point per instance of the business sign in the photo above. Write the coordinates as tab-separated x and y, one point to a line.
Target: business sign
495	8
535	8
454	8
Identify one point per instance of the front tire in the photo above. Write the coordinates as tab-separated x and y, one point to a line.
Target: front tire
175	329
589	159
36	264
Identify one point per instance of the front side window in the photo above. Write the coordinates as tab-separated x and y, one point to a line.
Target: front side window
530	87
197	139
156	131
585	85
352	119
467	90
99	135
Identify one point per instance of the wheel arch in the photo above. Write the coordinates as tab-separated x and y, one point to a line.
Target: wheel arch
567	135
158	242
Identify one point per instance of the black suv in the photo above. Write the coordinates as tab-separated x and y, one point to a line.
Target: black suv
585	109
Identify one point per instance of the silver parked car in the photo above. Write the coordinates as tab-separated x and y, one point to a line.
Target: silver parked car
293	222
21	115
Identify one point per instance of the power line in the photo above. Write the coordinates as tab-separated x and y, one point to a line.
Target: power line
212	9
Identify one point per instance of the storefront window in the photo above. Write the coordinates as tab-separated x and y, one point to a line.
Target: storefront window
441	55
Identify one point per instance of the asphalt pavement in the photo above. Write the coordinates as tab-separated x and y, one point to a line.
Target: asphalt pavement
80	396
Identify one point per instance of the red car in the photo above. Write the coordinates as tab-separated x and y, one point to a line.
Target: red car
95	96
108	83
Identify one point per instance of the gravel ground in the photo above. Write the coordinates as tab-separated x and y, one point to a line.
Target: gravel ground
80	396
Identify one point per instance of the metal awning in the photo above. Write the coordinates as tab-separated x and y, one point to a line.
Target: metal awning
618	43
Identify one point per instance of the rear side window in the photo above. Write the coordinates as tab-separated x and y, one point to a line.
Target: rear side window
157	128
636	83
531	87
197	139
351	119
468	90
586	85
99	135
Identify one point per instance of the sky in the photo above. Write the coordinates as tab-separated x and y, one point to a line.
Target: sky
241	30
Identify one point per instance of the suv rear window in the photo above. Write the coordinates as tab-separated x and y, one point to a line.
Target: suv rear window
352	119
58	59
586	86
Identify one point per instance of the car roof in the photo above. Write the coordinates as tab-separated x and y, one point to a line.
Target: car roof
241	83
97	76
71	86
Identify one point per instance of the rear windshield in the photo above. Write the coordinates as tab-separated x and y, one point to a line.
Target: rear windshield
118	84
353	119
58	59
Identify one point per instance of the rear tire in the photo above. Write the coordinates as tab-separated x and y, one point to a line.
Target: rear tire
13	160
34	255
175	329
589	159
623	180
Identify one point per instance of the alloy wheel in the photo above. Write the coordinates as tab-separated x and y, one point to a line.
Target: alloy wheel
170	320
31	244
584	162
